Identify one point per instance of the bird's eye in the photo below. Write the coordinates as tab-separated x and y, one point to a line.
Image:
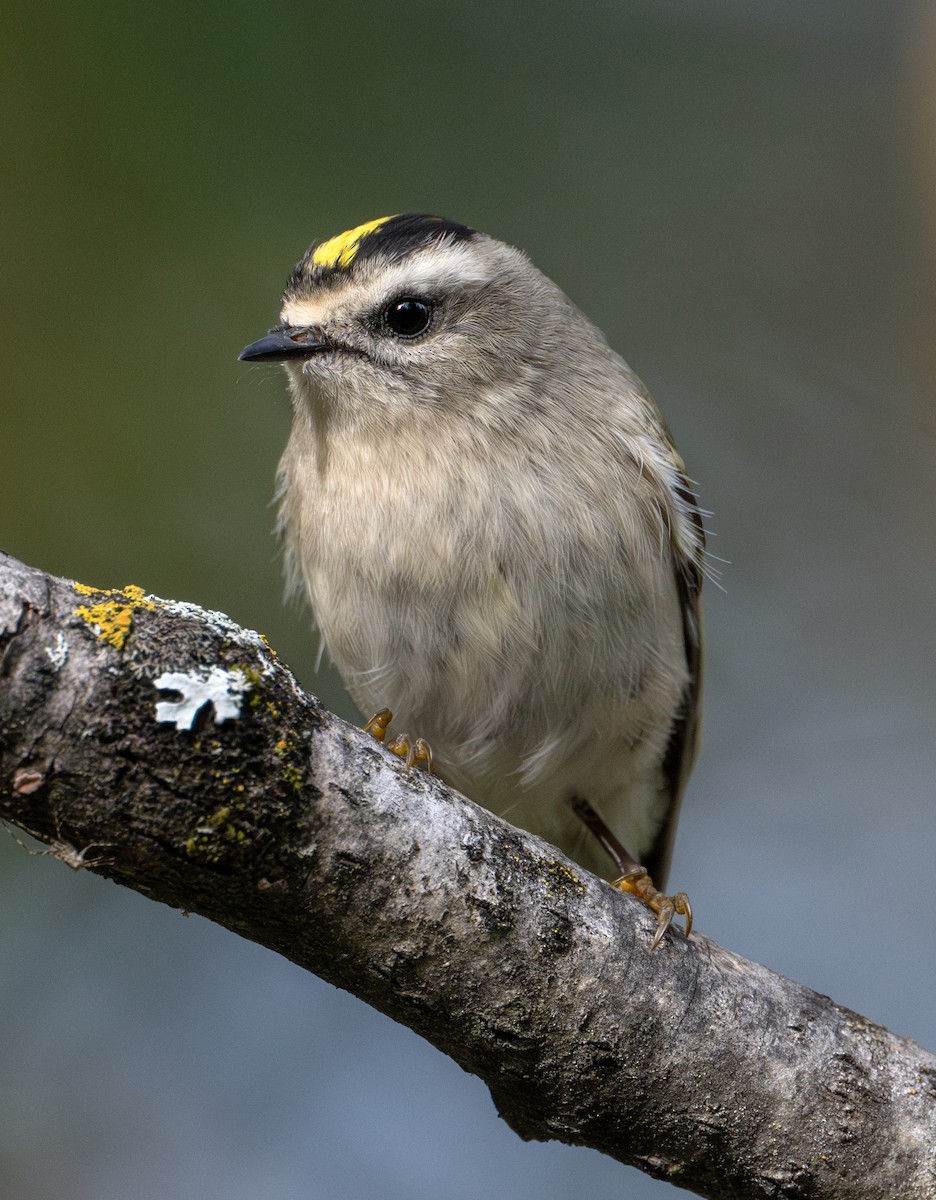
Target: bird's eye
408	317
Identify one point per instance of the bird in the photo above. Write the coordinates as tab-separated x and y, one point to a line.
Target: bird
497	537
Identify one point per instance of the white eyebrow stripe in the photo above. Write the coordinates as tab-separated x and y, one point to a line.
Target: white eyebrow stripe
436	267
433	270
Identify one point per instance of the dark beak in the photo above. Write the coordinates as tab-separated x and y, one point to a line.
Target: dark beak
286	342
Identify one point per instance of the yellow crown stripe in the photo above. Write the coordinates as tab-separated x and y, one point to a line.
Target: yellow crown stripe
340	250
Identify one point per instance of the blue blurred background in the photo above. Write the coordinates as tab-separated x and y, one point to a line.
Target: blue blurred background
742	193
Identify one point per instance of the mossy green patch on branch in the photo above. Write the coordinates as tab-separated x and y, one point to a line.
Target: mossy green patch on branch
219	834
289	749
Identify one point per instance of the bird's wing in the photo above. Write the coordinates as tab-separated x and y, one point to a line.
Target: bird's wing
684	737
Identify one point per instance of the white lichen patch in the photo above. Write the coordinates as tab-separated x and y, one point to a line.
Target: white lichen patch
59	652
222	624
224	690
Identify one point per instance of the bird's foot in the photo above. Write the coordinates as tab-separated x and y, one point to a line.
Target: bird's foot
416	753
638	883
634	878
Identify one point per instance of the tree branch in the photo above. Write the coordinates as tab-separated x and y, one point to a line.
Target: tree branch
164	747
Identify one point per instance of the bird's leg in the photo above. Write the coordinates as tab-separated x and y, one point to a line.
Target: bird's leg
417	753
633	877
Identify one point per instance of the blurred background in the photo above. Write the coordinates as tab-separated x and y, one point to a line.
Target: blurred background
742	193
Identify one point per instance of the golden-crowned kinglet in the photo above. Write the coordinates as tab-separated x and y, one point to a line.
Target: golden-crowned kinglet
496	534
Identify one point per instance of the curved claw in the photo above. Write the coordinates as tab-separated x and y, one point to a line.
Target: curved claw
664	920
423	754
378	723
638	883
416	753
684	908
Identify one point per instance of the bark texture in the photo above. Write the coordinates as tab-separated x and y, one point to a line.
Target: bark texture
276	819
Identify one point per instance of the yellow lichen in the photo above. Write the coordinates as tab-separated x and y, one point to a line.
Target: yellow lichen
112	620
